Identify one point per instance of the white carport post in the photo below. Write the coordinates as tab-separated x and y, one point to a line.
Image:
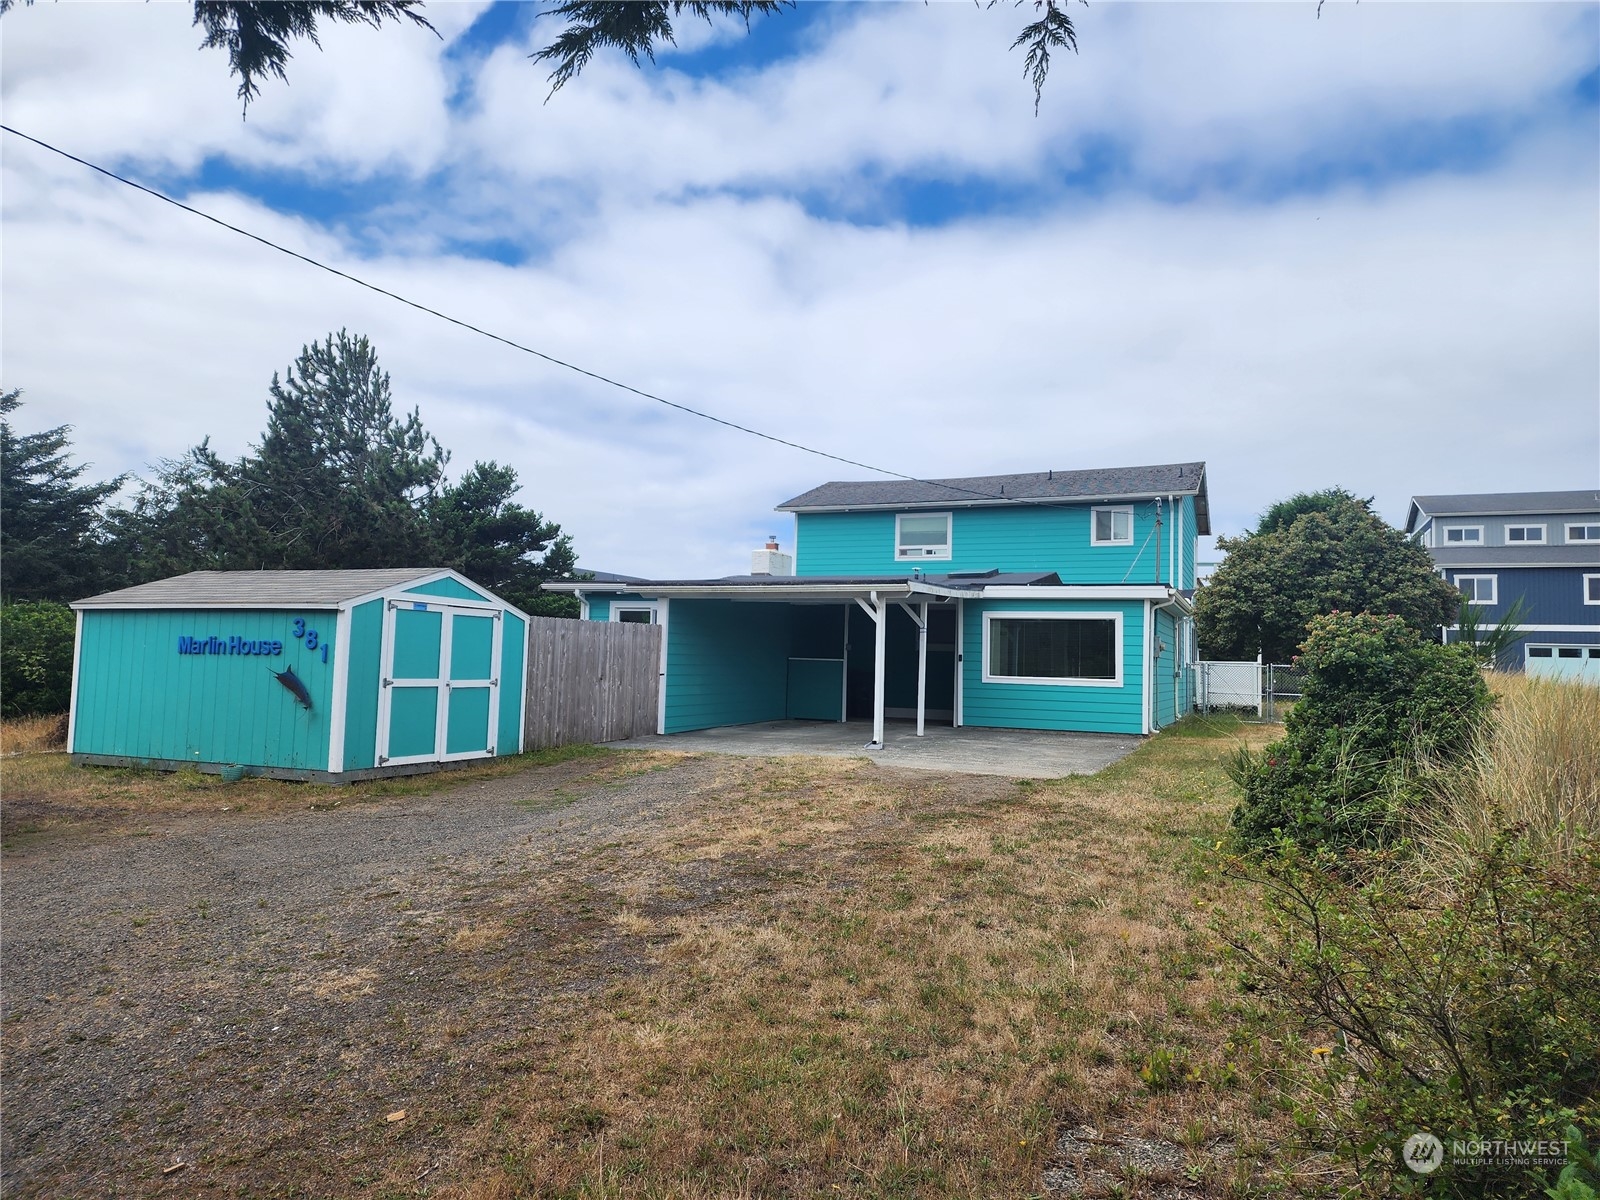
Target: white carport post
919	616
878	610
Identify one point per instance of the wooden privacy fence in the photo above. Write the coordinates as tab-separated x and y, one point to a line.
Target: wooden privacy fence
590	681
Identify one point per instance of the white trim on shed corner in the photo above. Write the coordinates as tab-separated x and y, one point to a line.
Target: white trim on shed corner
339	709
72	698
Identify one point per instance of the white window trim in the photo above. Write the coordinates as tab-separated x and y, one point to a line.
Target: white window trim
1542	540
1586	585
922	555
1581	525
1494	589
620	606
1100	508
1444	535
1031	615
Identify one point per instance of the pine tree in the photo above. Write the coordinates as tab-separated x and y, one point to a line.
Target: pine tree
51	532
496	542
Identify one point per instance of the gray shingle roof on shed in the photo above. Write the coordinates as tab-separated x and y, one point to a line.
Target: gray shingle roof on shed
1108	483
1491	504
258	589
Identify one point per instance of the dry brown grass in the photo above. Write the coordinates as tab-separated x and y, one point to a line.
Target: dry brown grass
33	735
1538	766
46	795
928	978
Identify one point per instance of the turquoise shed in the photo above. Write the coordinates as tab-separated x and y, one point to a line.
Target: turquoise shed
315	675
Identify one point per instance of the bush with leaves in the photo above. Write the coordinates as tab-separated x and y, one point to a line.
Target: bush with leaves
35	658
1470	1012
1376	696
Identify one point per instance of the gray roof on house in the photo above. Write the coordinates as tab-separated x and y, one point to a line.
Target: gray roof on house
258	589
1494	504
1582	554
1110	483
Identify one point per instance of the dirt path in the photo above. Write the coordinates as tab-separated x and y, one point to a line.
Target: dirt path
281	978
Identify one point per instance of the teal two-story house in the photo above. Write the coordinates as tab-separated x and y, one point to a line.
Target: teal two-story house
1051	600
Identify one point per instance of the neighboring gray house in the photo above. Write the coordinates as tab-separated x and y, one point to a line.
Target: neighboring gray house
1540	547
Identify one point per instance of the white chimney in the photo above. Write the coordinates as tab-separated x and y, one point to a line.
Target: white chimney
768	561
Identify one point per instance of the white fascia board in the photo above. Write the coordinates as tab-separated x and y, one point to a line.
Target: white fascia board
842	591
1081	591
585	585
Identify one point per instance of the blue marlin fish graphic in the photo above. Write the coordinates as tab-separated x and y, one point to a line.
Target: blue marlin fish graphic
294	683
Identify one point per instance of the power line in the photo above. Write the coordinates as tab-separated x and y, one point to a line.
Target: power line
515	345
433	312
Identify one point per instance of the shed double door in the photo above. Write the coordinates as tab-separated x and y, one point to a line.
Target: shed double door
441	683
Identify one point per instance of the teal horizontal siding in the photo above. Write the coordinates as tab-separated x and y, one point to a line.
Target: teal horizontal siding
600	606
138	697
1166	662
1054	706
727	663
1014	538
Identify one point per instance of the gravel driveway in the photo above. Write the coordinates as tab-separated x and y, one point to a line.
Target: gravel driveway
233	991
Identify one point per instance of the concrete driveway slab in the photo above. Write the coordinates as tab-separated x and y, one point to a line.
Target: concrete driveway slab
1018	753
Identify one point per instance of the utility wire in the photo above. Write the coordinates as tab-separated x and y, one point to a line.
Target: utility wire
505	341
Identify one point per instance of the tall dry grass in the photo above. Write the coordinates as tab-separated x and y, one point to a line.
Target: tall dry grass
1536	765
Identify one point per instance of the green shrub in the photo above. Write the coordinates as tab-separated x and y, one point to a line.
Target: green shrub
1471	1013
35	658
1376	696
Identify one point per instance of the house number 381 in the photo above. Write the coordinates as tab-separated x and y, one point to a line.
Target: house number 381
311	637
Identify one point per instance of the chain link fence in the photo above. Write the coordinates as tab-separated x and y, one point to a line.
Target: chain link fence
1253	690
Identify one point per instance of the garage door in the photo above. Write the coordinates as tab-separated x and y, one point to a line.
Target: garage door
1565	662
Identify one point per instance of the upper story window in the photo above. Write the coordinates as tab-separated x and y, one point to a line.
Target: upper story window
1478	589
1591	589
921	536
1463	535
1529	534
1583	533
1111	527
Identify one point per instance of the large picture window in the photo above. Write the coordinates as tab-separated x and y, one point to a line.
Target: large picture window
1076	648
922	535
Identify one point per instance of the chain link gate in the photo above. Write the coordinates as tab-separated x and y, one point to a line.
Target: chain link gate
1254	690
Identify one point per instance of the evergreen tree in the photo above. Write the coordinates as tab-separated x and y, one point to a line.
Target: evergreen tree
51	543
492	540
338	479
1334	556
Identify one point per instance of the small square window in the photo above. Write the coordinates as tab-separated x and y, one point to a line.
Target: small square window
1520	534
1591	589
634	614
1463	535
1478	589
1111	527
921	535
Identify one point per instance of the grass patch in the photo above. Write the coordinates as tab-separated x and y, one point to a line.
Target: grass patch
933	977
47	795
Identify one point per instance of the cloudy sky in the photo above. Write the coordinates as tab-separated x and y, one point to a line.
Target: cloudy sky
1360	249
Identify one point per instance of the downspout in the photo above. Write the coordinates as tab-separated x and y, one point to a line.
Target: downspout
1171	604
583	604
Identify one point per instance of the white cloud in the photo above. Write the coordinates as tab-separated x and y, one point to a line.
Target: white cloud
1432	332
